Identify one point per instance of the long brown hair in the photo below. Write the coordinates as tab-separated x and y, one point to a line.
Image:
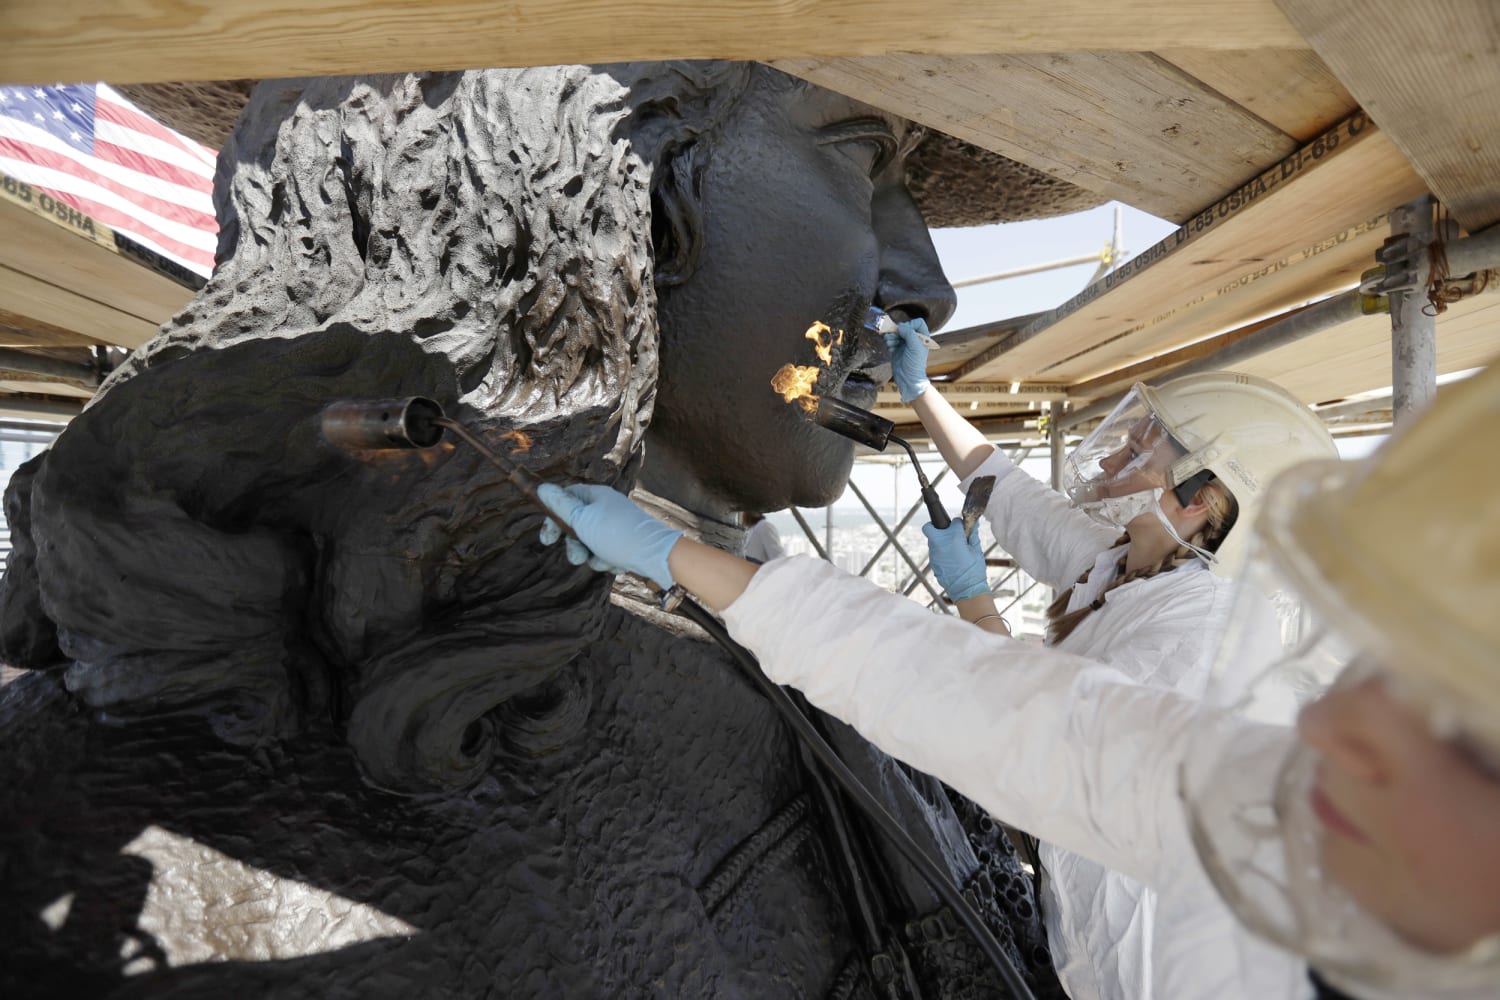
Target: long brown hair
1223	510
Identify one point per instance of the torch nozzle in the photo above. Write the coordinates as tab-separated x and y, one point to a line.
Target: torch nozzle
382	424
853	422
876	432
417	422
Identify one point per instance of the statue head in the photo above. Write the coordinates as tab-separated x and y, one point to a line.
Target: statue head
785	206
507	242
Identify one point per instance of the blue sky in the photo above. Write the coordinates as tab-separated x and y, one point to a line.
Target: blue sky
981	250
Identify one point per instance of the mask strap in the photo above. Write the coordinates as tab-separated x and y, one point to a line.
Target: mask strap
1161	515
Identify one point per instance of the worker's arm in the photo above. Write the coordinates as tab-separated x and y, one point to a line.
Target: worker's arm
961	444
957	560
1065	748
712	575
983	611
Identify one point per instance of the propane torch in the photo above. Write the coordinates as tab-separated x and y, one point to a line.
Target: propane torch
416	422
795	383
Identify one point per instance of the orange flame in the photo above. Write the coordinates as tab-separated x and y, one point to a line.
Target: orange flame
824	348
795	383
520	441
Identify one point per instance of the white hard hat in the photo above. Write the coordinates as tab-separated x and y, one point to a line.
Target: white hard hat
1396	562
1405	548
1238	429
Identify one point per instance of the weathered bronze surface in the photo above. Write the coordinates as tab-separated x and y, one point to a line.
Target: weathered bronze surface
310	723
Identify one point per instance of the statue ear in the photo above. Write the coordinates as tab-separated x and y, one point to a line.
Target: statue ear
677	213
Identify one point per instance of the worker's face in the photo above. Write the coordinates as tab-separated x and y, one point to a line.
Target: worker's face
806	218
1141	463
1411	822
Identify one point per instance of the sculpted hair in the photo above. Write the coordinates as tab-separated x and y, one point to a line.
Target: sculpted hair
481	238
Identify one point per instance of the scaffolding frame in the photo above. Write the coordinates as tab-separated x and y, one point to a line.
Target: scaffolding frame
1401	283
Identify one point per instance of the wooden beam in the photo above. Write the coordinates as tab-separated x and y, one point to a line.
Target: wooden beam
1428	73
1126	125
1026	394
1290	88
80	320
26	331
994	428
49	408
145	41
10	384
1300	231
68	256
1163	364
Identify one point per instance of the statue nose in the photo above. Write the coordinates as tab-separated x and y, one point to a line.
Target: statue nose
911	277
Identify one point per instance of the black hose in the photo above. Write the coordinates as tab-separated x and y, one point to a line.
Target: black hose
866	802
935	511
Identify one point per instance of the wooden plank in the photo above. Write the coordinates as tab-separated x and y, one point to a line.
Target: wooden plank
59	389
70	256
955	347
1161	365
1126	125
26	331
34	302
986	393
1290	88
125	42
49	408
59	244
1301	230
1429	74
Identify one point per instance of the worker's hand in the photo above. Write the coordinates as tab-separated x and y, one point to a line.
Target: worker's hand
617	536
909	358
957	562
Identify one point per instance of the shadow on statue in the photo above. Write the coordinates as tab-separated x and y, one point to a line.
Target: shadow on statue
310	723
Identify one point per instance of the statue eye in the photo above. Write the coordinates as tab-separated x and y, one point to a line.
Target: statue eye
871	154
869	142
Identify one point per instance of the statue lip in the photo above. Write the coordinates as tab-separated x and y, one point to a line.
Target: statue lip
861	386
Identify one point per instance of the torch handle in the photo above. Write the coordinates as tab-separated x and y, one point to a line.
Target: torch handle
524	479
935	512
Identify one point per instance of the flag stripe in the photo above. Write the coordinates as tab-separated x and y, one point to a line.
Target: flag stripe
111	107
131	227
187	244
162	209
151	169
196	198
167	152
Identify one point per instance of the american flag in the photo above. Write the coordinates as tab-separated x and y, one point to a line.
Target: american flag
92	149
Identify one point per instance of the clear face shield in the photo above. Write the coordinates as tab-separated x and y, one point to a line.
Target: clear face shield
1121	470
1345	810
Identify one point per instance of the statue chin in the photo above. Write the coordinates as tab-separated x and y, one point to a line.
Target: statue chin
310	722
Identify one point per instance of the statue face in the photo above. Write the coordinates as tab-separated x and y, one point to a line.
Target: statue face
806	218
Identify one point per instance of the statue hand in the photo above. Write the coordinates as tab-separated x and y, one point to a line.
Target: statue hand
614	535
909	358
957	562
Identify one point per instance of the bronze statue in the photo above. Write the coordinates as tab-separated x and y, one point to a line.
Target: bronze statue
311	723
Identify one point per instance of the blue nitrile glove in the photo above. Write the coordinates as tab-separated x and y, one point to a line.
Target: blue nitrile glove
957	562
618	537
909	358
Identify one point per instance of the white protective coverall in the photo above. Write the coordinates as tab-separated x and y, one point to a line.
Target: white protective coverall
1076	752
1163	631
